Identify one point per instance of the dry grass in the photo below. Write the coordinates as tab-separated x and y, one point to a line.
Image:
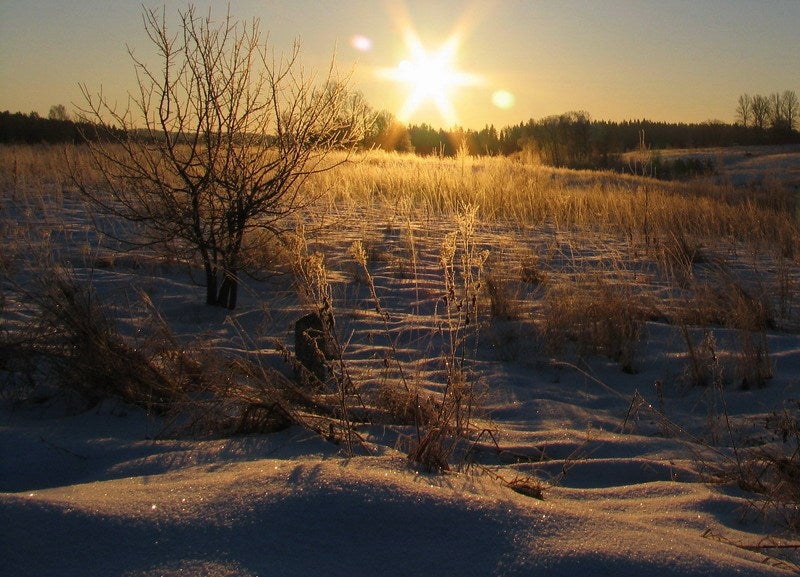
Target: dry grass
704	368
599	315
770	470
71	347
72	341
504	282
501	189
587	259
525	195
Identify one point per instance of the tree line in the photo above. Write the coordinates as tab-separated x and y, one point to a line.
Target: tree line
57	127
572	139
575	140
779	111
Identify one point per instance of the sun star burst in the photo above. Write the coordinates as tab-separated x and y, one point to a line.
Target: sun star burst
431	76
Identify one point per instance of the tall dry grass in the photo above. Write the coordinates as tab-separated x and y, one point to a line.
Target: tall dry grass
521	195
592	257
505	191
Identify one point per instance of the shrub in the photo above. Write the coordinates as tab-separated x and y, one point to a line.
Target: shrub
217	142
72	341
773	469
503	295
601	317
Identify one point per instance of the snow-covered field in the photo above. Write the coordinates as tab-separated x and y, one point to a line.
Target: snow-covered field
637	469
749	165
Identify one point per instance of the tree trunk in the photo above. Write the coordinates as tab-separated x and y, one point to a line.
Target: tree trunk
211	285
221	294
228	291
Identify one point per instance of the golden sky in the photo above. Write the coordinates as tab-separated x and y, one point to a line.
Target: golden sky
448	62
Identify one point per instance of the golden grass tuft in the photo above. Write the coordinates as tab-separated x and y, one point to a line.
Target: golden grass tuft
599	315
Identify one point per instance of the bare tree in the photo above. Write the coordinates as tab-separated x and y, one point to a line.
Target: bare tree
776	110
58	112
219	139
760	108
744	110
791	108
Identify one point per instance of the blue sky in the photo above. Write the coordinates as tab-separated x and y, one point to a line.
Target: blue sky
670	60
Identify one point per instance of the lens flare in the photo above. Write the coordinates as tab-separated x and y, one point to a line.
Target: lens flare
503	99
361	43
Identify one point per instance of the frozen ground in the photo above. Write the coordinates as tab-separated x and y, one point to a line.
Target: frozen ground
633	472
749	165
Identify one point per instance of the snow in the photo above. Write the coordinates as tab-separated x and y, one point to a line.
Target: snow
290	504
629	486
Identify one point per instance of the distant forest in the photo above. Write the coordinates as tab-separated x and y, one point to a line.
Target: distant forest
19	128
572	139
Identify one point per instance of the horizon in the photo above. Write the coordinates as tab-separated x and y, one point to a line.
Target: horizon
443	65
476	129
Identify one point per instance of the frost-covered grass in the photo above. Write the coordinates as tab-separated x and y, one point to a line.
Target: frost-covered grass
541	372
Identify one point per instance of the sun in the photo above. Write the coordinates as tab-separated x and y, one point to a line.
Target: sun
431	76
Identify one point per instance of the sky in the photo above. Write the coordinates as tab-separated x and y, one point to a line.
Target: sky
504	61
